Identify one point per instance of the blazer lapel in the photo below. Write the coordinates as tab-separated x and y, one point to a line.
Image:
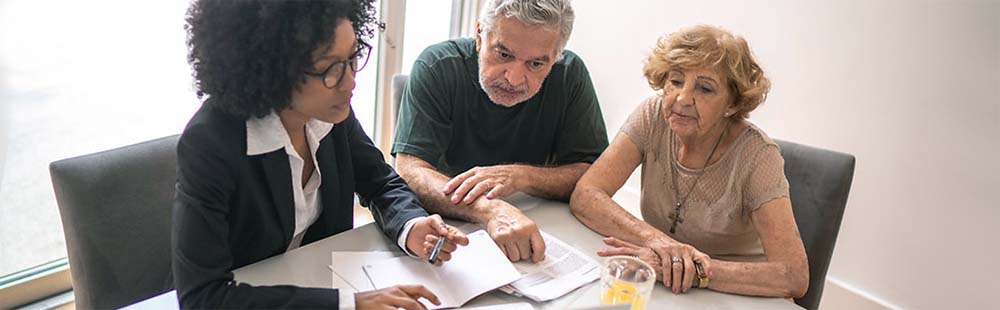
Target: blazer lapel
331	175
331	217
279	179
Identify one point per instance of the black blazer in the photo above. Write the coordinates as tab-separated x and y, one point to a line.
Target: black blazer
232	210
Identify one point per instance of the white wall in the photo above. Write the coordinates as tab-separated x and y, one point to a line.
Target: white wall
912	88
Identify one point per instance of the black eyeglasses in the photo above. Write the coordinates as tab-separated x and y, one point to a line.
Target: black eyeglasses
334	74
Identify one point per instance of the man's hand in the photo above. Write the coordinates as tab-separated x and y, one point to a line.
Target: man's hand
396	297
425	233
493	181
515	233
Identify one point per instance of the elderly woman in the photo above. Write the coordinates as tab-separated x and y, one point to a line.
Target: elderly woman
714	194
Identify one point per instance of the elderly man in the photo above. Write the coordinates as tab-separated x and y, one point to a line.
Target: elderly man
508	111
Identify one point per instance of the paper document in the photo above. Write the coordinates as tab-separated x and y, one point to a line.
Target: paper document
473	270
347	265
348	277
563	270
344	290
513	306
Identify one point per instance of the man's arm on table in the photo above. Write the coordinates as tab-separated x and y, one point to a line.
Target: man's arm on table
554	183
513	232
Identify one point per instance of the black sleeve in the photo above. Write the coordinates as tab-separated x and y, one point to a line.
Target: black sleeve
381	190
202	255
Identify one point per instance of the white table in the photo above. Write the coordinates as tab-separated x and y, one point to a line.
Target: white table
307	266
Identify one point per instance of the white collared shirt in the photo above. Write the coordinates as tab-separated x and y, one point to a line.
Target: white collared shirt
267	134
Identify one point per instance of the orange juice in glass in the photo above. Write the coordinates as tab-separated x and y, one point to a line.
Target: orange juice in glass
626	280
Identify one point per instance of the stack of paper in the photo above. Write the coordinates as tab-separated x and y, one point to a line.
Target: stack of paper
347	267
563	270
473	270
349	278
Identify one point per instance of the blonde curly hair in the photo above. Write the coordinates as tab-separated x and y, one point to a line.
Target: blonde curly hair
705	46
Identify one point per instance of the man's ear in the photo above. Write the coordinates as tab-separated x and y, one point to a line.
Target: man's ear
479	38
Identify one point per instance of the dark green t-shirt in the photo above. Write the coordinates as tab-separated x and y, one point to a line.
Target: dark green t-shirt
446	119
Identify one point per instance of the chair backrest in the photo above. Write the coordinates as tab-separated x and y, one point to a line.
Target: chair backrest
398	83
116	207
819	181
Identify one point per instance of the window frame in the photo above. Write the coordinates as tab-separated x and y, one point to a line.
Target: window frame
35	284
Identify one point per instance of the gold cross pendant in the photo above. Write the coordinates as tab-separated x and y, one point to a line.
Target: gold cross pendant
676	217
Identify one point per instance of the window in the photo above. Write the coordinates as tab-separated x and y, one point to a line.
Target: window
80	77
83	77
428	22
363	102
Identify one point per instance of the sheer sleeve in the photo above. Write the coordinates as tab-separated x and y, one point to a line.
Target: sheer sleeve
639	125
766	179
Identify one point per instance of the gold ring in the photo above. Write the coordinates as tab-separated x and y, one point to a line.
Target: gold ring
702	277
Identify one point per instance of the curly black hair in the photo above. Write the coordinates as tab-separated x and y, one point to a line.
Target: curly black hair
249	55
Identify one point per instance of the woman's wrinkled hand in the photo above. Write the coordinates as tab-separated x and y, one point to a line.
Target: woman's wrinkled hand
622	247
677	261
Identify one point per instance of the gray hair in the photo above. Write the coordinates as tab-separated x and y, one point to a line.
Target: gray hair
556	13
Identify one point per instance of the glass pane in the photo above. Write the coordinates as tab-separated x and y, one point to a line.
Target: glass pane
427	22
363	101
78	77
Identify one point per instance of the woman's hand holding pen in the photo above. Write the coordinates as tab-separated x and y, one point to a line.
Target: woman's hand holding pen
425	234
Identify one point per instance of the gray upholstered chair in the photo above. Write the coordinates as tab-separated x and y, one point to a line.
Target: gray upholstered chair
819	181
116	207
398	83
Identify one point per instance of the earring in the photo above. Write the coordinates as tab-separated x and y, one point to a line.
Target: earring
727	114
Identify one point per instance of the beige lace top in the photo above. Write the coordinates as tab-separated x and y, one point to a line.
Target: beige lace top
716	216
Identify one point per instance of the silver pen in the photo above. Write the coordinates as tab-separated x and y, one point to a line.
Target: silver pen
436	250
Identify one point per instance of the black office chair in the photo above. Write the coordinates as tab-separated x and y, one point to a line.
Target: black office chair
819	181
116	207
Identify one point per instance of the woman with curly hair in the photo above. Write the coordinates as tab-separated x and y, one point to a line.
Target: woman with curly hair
714	202
273	158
